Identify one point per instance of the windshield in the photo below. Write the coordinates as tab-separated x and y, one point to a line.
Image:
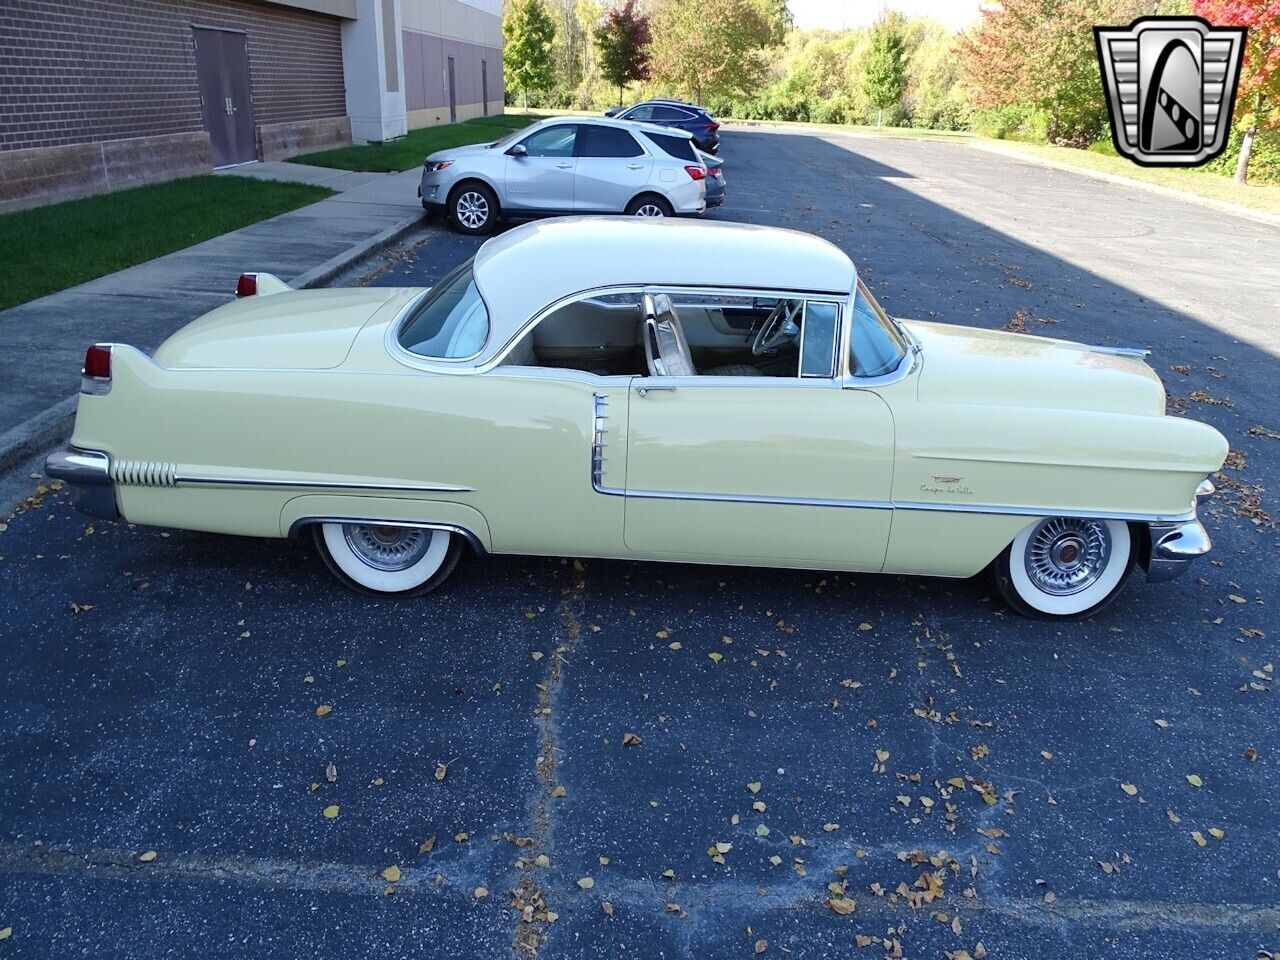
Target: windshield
875	345
452	323
509	138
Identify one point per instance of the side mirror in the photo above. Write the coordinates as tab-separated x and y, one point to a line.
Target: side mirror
518	151
613	111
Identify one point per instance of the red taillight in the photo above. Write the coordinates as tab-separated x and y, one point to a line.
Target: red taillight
713	126
97	362
697	173
247	285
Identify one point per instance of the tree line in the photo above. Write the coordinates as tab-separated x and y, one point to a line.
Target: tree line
1027	69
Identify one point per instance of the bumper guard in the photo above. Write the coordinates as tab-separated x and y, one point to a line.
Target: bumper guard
1175	545
88	474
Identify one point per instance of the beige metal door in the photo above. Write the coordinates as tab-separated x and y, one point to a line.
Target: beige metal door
758	468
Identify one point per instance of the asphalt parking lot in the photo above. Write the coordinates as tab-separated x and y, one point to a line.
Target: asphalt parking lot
961	775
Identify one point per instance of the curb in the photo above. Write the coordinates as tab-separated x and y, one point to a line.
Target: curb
37	434
835	130
53	425
326	271
1222	206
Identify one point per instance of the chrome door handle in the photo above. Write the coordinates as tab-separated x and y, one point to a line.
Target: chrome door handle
635	166
564	166
644	390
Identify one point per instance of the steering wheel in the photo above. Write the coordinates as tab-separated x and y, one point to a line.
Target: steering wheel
779	328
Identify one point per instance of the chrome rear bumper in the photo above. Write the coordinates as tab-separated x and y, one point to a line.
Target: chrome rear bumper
1175	545
88	473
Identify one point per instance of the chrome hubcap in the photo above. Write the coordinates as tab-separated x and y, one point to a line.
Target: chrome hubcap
389	549
650	210
472	210
1065	556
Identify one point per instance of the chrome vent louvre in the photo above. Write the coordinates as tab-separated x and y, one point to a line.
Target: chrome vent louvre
144	473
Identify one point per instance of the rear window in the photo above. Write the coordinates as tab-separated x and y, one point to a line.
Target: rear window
679	147
452	323
594	141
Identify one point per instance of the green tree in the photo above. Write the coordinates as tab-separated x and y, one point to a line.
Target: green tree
884	77
1259	91
622	40
529	34
1040	55
710	49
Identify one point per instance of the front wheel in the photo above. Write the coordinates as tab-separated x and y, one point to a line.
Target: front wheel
649	206
387	559
473	208
1066	568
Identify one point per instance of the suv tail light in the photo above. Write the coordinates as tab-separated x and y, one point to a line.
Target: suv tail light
247	285
713	126
96	376
697	173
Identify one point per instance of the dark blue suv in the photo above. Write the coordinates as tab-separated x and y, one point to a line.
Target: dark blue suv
675	113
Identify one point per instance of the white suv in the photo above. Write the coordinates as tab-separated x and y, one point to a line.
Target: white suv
567	165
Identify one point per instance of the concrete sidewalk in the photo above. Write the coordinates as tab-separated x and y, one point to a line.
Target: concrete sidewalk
42	343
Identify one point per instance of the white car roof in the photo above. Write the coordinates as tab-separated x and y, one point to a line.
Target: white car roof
524	270
625	124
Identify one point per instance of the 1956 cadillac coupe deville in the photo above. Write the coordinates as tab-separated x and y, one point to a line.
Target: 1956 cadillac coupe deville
659	390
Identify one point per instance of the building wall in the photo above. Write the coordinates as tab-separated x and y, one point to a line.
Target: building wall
471	33
79	74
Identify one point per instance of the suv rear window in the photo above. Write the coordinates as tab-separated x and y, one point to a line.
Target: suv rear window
679	147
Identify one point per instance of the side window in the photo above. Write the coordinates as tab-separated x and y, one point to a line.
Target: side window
552	141
598	141
642	112
669	114
818	339
679	147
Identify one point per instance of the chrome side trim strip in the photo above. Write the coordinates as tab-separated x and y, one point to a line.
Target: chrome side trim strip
1138	353
753	498
198	481
1014	511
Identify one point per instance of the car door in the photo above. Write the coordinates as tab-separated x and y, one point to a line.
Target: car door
765	469
542	178
612	168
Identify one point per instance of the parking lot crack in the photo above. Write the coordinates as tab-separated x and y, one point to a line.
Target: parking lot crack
534	914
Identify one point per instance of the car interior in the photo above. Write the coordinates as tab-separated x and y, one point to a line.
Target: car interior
650	334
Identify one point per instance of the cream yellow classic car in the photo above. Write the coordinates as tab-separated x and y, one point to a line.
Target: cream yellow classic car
647	389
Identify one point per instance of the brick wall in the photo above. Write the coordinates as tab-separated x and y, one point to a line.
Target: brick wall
84	71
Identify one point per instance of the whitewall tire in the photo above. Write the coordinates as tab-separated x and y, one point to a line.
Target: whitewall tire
387	560
1065	567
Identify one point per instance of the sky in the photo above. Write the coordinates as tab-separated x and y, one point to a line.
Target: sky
836	14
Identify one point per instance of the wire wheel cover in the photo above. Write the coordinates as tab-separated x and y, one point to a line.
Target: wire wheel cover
1065	555
389	549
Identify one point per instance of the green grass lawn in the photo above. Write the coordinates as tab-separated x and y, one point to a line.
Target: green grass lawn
409	151
51	248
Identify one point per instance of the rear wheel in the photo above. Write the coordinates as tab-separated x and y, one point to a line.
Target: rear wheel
473	208
387	559
649	205
1065	567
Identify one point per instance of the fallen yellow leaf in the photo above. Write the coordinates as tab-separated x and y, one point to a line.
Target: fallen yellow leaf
586	883
391	874
147	857
1194	780
330	811
323	710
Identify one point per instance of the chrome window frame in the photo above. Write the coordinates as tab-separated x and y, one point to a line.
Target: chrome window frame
911	357
672	289
832	366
